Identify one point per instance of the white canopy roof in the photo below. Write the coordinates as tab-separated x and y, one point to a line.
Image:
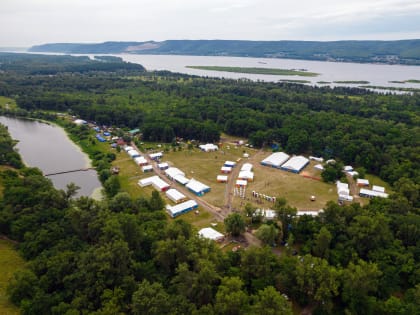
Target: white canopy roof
246	167
211	234
296	163
173	171
175	210
246	175
276	159
174	195
378	188
196	186
222	178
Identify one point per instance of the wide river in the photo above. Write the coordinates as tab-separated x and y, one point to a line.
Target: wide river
376	74
47	147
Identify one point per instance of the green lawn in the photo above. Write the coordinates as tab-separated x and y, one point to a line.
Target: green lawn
7	103
10	262
253	70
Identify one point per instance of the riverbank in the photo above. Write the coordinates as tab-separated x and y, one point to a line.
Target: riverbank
55	151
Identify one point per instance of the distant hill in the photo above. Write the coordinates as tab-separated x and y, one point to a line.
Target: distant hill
390	52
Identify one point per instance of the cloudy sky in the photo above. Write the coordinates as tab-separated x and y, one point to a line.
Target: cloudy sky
29	22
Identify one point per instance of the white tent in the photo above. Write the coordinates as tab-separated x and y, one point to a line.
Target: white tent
318	159
197	187
128	148
378	188
246	175
172	172
371	193
155	181
147	168
181	179
226	169
275	159
229	164
140	160
222	178
208	147
163	166
246	167
156	156
312	213
319	167
181	208
211	234
362	182
295	164
241	182
175	195
133	153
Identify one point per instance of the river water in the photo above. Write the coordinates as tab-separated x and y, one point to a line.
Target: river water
47	147
376	74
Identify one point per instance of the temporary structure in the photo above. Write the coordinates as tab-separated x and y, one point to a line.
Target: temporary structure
211	234
155	181
197	187
175	195
222	178
275	159
181	208
295	164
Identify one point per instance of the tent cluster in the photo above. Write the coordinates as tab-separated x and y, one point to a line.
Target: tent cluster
225	169
283	161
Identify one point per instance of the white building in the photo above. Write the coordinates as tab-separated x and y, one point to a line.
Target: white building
172	172
362	182
372	193
163	166
295	164
318	159
197	187
275	159
156	156
226	169
247	167
175	195
208	147
241	183
128	148
229	164
222	178
211	234
246	175
181	208
147	168
155	181
319	167
133	153
140	160
378	188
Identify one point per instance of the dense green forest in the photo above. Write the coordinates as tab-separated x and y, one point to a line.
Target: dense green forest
122	256
399	52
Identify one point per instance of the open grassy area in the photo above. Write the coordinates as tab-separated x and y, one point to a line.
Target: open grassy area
294	187
10	262
7	103
205	166
253	70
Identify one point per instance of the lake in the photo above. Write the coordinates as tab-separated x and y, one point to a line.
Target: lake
47	147
376	74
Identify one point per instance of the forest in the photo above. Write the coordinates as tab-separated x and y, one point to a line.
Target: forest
397	51
123	256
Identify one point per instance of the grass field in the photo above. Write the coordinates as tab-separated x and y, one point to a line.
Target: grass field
271	71
294	187
10	262
205	166
7	103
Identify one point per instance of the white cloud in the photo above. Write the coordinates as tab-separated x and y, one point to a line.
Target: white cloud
28	22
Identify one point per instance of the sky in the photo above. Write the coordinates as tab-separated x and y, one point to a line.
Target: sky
24	23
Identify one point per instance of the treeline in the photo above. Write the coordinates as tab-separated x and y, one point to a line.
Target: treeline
122	256
8	155
401	51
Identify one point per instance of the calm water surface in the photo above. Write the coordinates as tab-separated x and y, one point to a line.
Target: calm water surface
48	148
376	74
